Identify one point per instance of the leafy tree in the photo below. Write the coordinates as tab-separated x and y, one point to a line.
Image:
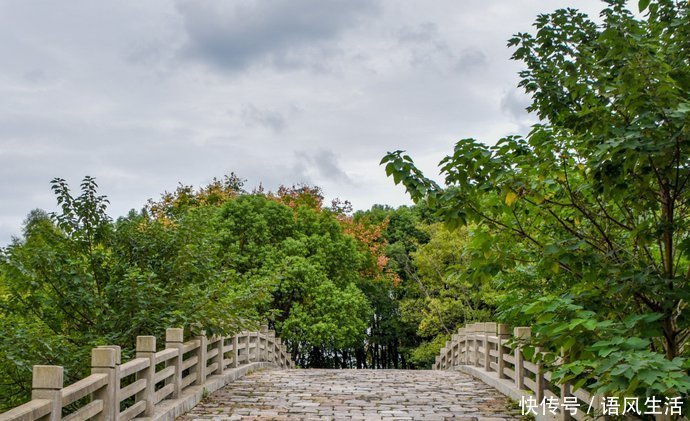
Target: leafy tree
591	208
334	320
392	337
301	253
78	280
448	292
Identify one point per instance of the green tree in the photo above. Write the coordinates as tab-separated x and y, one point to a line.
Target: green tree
327	328
315	271
590	209
392	337
77	280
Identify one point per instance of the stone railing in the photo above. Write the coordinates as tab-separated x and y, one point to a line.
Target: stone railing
480	349
158	385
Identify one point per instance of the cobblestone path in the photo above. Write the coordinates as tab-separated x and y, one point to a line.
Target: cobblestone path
356	395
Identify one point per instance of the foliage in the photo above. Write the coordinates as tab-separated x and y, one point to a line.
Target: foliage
434	291
331	319
452	296
425	354
215	258
592	206
620	362
79	280
303	254
217	192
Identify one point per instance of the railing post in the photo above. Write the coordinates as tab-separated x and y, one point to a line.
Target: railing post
468	332
218	359
476	329
263	340
281	350
246	358
106	360
247	349
46	384
502	334
453	344
241	353
449	352
146	348
174	338
539	378
251	352
278	352
489	330
461	338
520	333
201	355
270	346
235	351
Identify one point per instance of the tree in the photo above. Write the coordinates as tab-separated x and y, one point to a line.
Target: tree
77	280
591	208
327	328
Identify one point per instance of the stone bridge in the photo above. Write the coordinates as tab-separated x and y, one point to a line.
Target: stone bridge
251	375
355	395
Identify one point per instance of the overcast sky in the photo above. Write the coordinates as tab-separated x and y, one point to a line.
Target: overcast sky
145	94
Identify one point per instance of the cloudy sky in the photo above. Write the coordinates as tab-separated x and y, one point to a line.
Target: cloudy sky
145	94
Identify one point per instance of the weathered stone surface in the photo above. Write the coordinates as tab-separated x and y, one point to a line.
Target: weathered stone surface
354	394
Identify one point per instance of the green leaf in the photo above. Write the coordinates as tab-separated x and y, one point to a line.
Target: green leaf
642	5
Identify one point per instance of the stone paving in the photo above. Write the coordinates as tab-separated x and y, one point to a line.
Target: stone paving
355	395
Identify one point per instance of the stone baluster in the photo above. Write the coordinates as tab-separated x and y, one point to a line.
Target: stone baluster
146	348
46	384
489	330
503	334
106	360
520	333
201	354
174	338
235	351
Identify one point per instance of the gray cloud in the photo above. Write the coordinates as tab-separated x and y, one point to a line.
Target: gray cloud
426	44
514	104
470	59
252	116
429	45
157	92
282	33
325	163
427	32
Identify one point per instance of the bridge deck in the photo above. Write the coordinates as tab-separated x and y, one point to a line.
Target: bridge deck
355	394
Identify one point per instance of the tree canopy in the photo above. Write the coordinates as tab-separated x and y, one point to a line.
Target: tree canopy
585	219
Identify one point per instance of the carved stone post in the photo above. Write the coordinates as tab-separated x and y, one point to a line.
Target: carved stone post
201	354
146	348
270	335
46	384
263	343
235	351
174	338
106	360
220	357
503	334
520	333
476	331
539	379
466	346
489	330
